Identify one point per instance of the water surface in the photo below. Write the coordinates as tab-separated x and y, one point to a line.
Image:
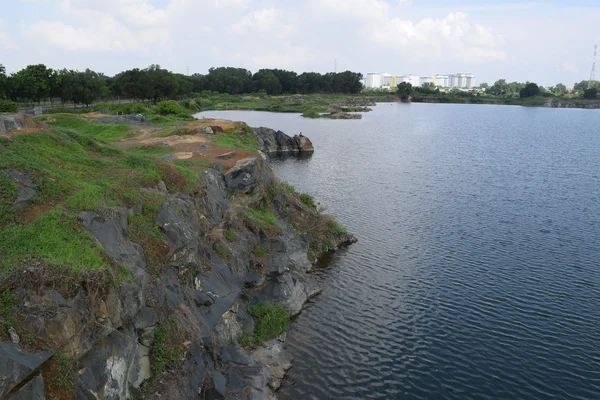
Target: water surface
477	271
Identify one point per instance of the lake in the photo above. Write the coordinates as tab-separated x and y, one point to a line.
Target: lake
477	270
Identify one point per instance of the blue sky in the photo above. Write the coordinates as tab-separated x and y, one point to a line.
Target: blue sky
546	42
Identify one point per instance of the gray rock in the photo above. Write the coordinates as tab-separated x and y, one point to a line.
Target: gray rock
180	222
271	142
27	189
113	366
17	365
162	187
208	130
227	156
14	122
32	390
276	359
13	335
109	228
248	175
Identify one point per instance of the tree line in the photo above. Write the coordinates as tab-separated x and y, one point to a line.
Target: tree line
38	82
501	88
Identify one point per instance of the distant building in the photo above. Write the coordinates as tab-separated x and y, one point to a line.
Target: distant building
461	80
373	80
426	79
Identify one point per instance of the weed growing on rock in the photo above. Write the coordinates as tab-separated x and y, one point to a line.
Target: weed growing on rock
270	321
264	218
259	250
167	350
308	201
230	235
336	228
222	250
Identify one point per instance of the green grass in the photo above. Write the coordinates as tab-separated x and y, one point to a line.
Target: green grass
104	132
308	201
270	321
336	228
222	250
262	216
289	188
230	235
54	237
167	350
150	150
7	302
259	250
231	139
8	194
63	376
92	197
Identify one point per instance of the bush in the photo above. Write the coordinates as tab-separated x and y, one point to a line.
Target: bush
308	201
169	107
270	321
8	106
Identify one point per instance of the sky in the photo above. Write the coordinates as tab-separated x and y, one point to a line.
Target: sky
544	42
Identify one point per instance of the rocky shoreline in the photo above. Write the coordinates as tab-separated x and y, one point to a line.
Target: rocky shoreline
107	329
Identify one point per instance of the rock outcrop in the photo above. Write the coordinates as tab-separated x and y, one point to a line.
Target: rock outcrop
109	327
277	142
15	122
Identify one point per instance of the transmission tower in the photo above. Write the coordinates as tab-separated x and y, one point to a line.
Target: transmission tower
593	74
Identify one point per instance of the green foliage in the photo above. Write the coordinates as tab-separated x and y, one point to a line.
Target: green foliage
169	107
104	132
289	188
530	90
270	321
7	302
64	373
8	106
55	237
235	140
264	218
230	235
405	90
8	194
590	93
92	197
167	350
222	250
308	201
336	228
260	251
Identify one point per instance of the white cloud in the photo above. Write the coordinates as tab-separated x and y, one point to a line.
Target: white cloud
566	67
260	20
452	37
6	43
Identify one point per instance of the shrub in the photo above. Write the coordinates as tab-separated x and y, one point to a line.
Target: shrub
270	321
230	235
336	228
169	107
8	106
308	201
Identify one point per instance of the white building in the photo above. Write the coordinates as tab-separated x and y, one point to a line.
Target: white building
426	79
442	80
462	81
412	79
373	80
386	81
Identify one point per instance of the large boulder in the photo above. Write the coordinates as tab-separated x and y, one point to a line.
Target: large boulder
273	142
16	365
248	175
15	122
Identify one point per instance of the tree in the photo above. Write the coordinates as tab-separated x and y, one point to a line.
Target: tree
590	93
583	85
560	88
405	89
484	85
229	80
34	82
266	80
531	89
498	88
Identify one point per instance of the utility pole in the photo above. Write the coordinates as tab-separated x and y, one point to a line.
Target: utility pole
593	73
